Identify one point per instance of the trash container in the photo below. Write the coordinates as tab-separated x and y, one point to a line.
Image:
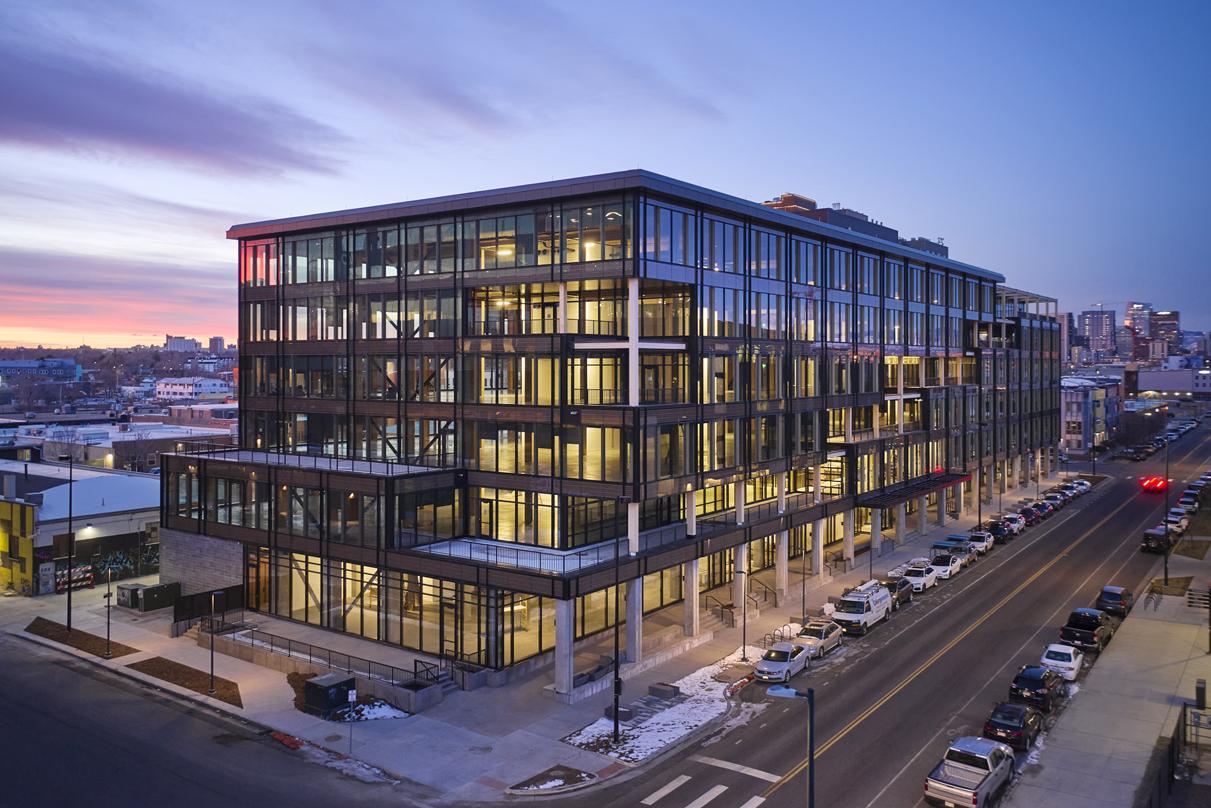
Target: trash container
159	596
323	694
128	595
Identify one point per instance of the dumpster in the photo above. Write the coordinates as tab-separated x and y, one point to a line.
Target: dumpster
323	694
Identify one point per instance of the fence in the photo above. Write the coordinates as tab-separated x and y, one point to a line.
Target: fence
1169	759
190	609
326	657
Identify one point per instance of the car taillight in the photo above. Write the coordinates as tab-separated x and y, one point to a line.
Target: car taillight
975	799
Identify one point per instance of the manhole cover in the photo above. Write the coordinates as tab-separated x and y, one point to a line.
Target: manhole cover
333	737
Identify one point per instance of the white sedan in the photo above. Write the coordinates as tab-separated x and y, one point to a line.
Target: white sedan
1064	660
922	576
819	637
946	565
981	541
782	661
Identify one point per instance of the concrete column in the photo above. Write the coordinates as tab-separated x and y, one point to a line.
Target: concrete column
738	488
691	513
989	483
901	523
740	576
565	636
1011	477
1046	456
942	507
849	424
782	563
922	515
876	531
392	612
689	588
878	418
633	341
818	547
816	493
633	527
848	520
780	484
961	499
634	650
563	307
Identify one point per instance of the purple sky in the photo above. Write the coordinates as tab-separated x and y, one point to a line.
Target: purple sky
1063	145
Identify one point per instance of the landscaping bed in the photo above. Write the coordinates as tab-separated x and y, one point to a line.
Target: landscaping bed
1192	548
190	679
80	640
1177	586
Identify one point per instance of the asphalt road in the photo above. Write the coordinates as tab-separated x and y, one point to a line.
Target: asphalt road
889	702
73	734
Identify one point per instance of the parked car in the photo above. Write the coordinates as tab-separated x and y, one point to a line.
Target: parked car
981	541
1032	516
1177	521
1115	600
819	637
782	661
1055	499
1014	724
1036	685
1072	488
1084	485
1013	523
1156	540
974	771
1189	503
861	607
1088	629
946	565
999	534
1064	659
900	589
922	576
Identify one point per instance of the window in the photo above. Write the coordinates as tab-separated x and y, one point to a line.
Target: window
839	269
805	256
722	245
765	255
894	284
868	274
669	236
430	248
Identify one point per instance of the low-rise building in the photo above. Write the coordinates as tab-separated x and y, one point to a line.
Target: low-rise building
1090	409
1182	383
191	388
129	446
115	516
13	369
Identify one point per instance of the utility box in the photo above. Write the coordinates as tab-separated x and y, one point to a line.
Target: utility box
323	694
159	596
130	595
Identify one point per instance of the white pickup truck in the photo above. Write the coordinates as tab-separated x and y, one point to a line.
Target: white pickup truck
975	771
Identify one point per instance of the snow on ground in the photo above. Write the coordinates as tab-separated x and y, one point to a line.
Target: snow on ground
346	765
704	702
1073	689
1040	743
372	711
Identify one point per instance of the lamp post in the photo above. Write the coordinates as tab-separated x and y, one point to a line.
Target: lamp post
625	501
782	691
71	534
109	577
1165	516
213	595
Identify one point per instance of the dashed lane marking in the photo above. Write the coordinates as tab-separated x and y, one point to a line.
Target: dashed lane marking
753	802
735	767
666	789
714	792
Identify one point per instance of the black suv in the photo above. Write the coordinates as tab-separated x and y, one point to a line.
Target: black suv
1034	684
1115	600
900	589
1015	724
997	528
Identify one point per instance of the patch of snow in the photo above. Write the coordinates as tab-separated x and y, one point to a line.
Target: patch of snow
548	784
347	765
704	701
1073	689
1040	743
372	711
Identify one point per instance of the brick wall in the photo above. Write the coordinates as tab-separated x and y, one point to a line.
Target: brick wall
199	563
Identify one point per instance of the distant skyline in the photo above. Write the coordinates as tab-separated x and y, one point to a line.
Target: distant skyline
1060	144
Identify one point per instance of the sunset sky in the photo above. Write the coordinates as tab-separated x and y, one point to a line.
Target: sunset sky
1062	144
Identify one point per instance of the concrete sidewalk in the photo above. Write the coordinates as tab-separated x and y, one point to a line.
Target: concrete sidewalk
476	743
1097	754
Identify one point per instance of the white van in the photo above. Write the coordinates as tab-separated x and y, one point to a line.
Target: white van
863	606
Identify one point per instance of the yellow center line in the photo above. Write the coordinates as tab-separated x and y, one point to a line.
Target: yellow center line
852	725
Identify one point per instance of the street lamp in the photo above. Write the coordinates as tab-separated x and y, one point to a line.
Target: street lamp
213	595
782	691
71	535
617	623
1165	516
109	577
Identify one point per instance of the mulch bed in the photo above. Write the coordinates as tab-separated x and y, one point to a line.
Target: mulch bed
80	640
190	679
1192	548
297	682
554	777
1177	586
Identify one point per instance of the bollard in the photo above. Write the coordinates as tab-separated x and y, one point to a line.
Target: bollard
1200	694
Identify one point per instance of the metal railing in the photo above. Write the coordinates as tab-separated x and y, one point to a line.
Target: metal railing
766	591
326	657
726	612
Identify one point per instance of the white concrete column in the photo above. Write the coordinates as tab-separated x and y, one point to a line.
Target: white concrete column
780	484
817	495
942	507
633	324
691	513
818	547
782	563
961	498
876	531
922	515
565	637
849	424
563	307
690	590
740	576
878	410
634	651
633	528
989	483
901	523
848	519
738	488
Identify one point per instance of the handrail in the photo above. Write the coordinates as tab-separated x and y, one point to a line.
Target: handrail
723	607
316	655
766	589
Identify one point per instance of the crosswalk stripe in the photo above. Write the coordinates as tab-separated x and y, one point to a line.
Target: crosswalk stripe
753	802
735	767
715	791
666	789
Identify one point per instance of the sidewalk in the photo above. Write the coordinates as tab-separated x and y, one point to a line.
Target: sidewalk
475	744
1098	752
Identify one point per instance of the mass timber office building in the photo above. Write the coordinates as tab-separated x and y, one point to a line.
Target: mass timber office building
464	420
